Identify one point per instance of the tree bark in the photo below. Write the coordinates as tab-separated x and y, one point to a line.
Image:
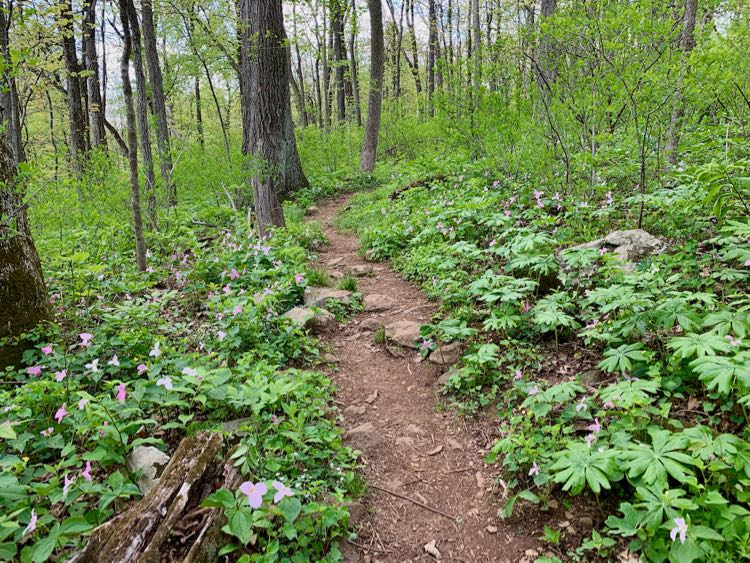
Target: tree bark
10	113
142	113
269	131
546	72
127	92
414	63
353	67
339	57
687	43
159	102
477	53
91	62
74	91
375	99
431	52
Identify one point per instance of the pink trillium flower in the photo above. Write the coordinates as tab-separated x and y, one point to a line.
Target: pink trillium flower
299	278
534	469
234	274
227	289
86	473
35	371
581	406
82	404
115	361
265	250
47	350
608	405
733	340
426	344
85	339
747	262
121	393
237	310
93	366
141	369
254	492
165	382
590	439
192	372
60	414
533	391
595	427
274	419
32	524
281	491
47	433
602	251
149	270
60	375
680	529
518	375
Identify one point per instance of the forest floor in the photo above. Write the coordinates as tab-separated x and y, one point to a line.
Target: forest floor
429	489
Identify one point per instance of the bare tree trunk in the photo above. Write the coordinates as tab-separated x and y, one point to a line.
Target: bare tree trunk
687	44
91	62
142	113
159	102
300	76
431	54
353	67
318	95
414	63
477	54
375	100
74	92
269	132
546	72
10	113
337	30
127	92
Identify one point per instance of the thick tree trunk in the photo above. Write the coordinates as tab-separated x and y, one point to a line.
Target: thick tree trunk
74	91
10	113
687	44
159	102
269	130
23	295
127	92
375	99
91	62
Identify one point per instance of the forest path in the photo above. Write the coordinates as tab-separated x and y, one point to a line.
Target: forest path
390	409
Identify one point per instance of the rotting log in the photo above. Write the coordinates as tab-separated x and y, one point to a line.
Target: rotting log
169	524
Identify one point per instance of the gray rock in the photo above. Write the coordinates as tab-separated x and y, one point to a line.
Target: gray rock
376	302
319	296
364	436
355	410
149	462
404	333
631	246
446	354
370	255
307	318
312	209
361	270
371	324
330	359
444	377
332	263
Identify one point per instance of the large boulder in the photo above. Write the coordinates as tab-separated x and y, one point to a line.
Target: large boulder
631	246
320	296
404	333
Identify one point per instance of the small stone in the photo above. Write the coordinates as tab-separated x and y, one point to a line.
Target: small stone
312	209
361	270
491	529
413	429
370	255
376	302
330	359
453	444
432	549
354	410
435	451
404	333
586	522
446	354
395	351
334	262
319	296
444	377
371	324
307	318
372	398
149	462
364	436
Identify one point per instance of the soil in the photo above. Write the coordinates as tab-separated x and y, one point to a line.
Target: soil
411	445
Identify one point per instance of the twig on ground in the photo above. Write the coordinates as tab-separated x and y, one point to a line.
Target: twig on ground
425	506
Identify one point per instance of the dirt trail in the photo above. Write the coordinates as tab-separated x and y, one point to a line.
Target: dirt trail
411	448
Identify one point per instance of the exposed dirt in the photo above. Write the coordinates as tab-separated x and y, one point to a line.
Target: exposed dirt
413	447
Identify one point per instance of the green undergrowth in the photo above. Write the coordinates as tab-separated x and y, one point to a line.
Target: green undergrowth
626	385
144	359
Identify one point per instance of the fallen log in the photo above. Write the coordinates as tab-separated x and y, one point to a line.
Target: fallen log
169	524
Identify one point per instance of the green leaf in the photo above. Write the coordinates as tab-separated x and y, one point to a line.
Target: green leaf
290	507
220	499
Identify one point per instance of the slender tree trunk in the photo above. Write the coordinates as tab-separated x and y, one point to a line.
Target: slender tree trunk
687	43
74	92
375	99
127	91
158	100
477	54
269	132
353	66
91	62
198	111
318	95
10	112
142	113
300	76
339	58
546	72
431	54
414	65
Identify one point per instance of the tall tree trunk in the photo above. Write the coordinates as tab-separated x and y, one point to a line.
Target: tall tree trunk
91	62
375	99
269	131
74	92
23	295
198	111
414	64
431	54
477	54
339	58
159	101
300	76
546	72
687	43
353	66
142	113
318	95
127	91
